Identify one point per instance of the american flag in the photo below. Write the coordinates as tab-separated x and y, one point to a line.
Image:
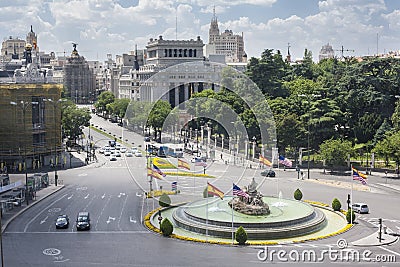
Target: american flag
239	192
157	170
200	163
357	175
284	161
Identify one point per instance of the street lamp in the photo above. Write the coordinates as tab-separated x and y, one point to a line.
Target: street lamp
254	147
24	105
308	97
55	105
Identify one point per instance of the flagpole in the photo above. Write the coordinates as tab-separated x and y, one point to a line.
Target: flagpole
207	216
232	216
351	195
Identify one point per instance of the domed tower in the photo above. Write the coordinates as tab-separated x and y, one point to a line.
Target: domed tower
214	30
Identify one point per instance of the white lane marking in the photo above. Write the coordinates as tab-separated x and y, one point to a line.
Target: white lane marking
37	215
103	196
44	220
82	174
121	194
51	251
110	219
132	220
86	196
83	188
70	196
138	194
388	250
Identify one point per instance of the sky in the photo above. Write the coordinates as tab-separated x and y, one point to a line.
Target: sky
99	27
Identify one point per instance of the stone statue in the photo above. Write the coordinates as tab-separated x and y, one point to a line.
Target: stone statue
252	204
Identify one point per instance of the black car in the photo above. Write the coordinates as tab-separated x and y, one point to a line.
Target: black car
83	221
62	222
268	173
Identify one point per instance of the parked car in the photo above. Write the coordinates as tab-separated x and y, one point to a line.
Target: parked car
101	150
83	221
129	154
134	149
268	173
107	152
117	154
122	149
360	208
113	158
118	147
62	222
138	154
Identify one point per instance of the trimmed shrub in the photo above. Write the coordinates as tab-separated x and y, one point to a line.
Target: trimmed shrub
205	193
336	205
166	227
241	236
164	200
350	213
298	195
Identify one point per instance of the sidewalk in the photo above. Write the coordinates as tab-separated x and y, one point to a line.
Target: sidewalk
9	215
373	240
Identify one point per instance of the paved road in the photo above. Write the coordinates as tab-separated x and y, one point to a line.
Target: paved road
113	193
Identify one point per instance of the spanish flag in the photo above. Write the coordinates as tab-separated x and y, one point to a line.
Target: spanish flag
212	190
183	164
153	173
265	161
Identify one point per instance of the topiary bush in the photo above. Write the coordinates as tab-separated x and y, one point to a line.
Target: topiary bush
350	215
241	236
205	193
166	227
298	195
336	205
164	200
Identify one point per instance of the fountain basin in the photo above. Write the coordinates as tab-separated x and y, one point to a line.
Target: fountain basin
287	218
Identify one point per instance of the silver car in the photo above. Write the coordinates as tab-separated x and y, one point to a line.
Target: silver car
360	208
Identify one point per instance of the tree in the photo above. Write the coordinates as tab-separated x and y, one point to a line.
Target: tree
336	205
157	116
335	151
298	195
73	119
350	216
166	227
164	200
118	107
104	99
241	236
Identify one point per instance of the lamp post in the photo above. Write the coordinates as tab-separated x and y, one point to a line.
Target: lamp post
308	97
55	105
24	105
254	147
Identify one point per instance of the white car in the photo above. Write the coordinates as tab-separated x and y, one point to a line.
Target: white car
138	154
118	146
107	152
122	149
129	154
113	158
134	150
360	208
117	154
101	150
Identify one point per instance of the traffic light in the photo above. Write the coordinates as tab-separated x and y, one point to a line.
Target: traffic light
348	201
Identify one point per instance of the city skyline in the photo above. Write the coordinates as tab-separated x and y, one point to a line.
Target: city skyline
116	26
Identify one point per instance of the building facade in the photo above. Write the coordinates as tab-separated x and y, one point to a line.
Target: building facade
226	43
326	52
79	79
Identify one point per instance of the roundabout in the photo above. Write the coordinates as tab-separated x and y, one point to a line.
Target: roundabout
213	220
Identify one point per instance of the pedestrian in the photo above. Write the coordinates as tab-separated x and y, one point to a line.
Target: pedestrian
302	176
221	156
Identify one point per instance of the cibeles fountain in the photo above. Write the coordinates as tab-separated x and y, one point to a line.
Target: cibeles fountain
263	218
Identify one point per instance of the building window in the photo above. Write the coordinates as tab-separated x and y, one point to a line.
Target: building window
180	52
194	53
185	52
190	53
166	53
170	52
175	52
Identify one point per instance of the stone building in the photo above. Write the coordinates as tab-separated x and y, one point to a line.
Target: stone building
79	79
326	52
226	43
